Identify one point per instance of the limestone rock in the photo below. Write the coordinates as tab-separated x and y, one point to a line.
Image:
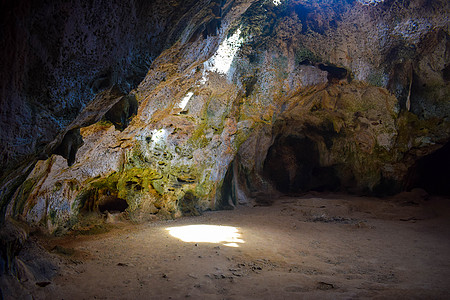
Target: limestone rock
254	100
66	64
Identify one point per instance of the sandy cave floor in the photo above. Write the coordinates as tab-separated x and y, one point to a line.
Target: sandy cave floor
318	246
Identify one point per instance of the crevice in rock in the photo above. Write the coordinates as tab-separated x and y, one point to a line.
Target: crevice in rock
228	198
401	83
122	112
334	73
386	187
102	81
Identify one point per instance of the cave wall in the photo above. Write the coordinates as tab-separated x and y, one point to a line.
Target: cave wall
371	124
65	64
153	162
328	132
348	79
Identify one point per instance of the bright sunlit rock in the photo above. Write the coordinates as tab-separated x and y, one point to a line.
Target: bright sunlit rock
185	100
221	61
226	235
159	135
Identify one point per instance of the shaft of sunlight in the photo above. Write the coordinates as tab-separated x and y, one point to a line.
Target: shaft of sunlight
221	61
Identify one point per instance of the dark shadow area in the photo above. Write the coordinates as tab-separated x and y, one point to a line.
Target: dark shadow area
113	204
69	146
446	73
188	204
102	200
293	165
122	112
386	187
431	172
228	192
334	73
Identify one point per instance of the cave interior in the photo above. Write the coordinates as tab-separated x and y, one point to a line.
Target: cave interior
260	138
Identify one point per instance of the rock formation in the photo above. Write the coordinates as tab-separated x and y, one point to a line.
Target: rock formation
303	95
66	64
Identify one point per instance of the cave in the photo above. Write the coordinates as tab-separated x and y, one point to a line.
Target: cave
222	149
431	172
102	200
113	205
293	164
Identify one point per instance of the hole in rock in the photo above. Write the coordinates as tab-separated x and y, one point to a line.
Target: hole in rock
431	172
228	190
293	165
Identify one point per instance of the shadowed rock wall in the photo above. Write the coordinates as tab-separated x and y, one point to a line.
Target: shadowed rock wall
370	124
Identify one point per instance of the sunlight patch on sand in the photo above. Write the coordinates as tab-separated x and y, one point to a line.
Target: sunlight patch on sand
227	235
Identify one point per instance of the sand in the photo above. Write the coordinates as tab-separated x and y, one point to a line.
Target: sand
317	246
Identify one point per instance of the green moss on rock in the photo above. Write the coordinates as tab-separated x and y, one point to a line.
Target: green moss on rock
23	195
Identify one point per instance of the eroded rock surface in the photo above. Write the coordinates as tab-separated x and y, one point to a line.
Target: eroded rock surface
298	97
65	64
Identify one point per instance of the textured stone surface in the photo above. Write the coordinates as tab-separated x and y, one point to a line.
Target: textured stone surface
66	63
359	91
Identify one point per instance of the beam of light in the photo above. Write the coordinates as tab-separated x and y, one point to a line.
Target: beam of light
185	100
225	235
221	61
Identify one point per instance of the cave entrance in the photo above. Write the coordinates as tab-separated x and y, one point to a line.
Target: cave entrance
293	165
113	205
102	200
431	172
